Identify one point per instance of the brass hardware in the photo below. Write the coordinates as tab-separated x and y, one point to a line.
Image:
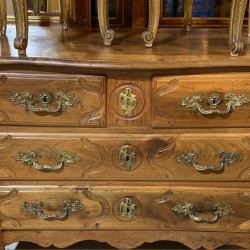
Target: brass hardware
68	208
127	209
189	209
127	101
214	100
225	159
127	157
31	158
63	101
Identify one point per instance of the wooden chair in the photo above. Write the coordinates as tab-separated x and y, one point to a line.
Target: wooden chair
238	9
108	34
21	20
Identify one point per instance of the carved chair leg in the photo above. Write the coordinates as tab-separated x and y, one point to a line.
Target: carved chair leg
236	22
154	16
36	7
188	11
103	18
21	16
3	16
65	5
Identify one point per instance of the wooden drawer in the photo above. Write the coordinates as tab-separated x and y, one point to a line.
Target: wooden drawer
132	207
53	100
189	157
218	100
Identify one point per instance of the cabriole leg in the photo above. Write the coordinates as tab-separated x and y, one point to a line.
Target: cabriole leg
188	11
154	16
65	5
21	16
103	18
236	22
3	16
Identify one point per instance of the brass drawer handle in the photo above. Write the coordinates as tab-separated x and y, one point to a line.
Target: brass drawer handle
214	100
225	159
68	208
189	209
127	102
62	101
31	158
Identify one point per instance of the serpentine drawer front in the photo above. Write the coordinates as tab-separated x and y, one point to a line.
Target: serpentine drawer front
189	157
120	207
220	100
49	100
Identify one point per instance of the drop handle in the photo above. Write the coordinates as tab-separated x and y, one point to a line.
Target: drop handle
44	102
189	209
68	208
231	102
225	159
30	158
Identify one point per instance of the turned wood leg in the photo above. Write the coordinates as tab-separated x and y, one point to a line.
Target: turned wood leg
103	18
21	16
65	4
153	22
188	11
236	22
3	16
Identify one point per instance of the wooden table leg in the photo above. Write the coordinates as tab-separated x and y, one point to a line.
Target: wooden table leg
238	9
65	5
21	16
153	22
188	11
103	18
3	16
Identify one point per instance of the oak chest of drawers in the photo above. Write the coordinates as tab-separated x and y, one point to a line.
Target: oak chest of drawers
123	156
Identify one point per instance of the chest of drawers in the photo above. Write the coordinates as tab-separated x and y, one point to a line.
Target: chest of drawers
123	155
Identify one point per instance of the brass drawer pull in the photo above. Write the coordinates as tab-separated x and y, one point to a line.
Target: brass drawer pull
189	209
225	159
214	100
127	102
68	208
31	158
62	101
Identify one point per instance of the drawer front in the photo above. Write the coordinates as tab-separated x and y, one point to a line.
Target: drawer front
189	157
127	208
201	101
53	100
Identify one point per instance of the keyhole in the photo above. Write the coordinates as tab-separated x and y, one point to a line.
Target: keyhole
44	99
127	158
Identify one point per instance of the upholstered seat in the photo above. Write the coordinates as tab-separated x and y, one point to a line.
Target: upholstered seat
21	20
